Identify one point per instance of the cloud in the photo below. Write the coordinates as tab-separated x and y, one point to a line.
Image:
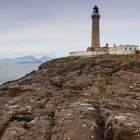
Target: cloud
42	31
43	38
122	25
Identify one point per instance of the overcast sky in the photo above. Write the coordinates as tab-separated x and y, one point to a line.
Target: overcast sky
40	27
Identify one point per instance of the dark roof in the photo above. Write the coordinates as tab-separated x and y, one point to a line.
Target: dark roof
96	9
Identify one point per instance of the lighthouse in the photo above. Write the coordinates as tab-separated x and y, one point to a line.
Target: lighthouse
95	36
95	49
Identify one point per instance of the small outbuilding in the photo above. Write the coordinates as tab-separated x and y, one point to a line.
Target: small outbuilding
123	49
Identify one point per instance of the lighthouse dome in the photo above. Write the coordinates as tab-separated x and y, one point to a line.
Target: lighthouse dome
96	9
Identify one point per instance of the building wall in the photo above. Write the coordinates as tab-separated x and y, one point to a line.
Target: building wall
118	50
123	49
87	53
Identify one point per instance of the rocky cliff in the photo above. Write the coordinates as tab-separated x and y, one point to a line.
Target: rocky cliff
74	99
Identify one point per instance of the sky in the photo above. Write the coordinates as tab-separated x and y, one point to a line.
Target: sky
57	27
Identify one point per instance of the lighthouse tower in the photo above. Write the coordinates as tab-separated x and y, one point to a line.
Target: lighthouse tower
95	40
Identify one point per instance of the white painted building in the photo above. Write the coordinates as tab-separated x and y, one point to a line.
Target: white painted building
118	50
88	53
123	49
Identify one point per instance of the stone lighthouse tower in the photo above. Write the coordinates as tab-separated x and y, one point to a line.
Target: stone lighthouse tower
95	40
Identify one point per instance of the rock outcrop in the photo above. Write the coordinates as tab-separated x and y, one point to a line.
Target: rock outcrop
74	99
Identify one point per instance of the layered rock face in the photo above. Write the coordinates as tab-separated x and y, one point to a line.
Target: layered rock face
74	99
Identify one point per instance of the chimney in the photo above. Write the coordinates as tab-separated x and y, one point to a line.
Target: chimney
107	45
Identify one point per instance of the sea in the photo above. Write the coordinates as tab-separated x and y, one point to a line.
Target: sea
9	72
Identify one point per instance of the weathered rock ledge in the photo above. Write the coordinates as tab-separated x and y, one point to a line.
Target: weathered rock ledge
74	99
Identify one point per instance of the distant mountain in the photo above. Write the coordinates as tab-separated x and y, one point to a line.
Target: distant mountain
45	58
25	59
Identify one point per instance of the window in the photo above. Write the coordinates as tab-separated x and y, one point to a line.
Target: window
125	48
130	48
